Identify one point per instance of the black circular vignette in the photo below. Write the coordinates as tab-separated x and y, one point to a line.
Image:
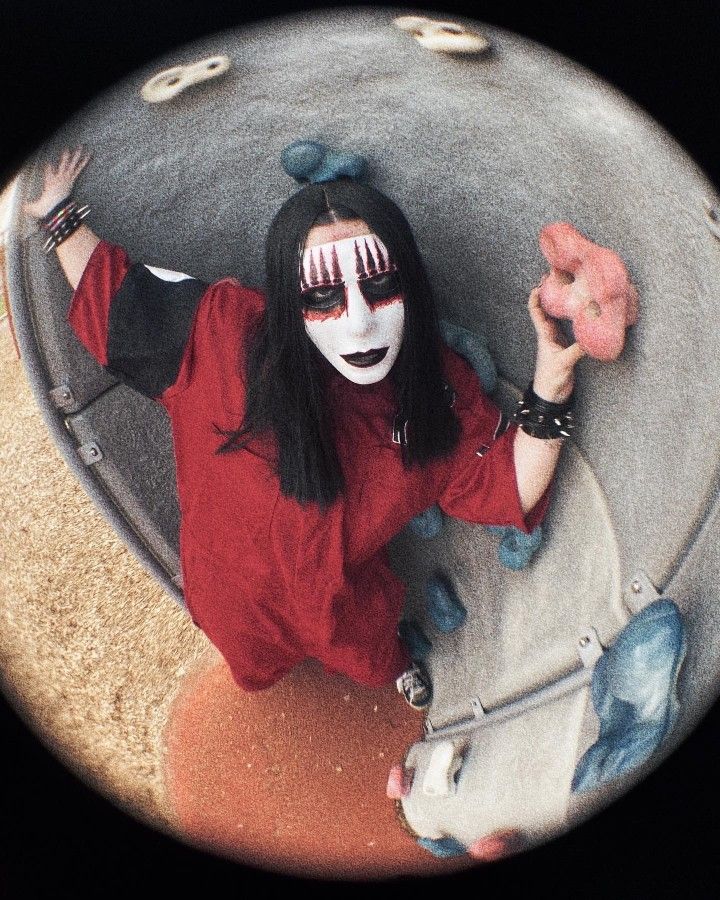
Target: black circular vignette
57	837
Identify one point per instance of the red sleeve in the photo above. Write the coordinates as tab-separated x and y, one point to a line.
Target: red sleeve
90	305
482	487
136	320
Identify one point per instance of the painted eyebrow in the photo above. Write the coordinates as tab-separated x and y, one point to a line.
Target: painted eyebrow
368	266
370	260
319	274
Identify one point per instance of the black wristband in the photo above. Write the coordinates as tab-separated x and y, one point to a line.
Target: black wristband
62	221
49	216
542	419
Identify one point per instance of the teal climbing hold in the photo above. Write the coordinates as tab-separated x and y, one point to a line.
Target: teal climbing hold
443	604
414	638
428	524
314	162
634	693
516	548
444	847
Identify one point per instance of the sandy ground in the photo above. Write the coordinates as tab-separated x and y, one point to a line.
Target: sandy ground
92	649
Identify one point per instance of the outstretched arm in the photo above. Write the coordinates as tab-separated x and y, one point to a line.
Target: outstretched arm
135	320
74	252
535	458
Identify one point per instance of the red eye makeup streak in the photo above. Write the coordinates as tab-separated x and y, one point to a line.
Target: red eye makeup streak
386	301
321	315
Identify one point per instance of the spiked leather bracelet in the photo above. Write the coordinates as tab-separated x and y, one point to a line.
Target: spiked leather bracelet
541	419
62	220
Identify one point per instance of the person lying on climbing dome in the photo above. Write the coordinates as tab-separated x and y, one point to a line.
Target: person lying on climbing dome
310	423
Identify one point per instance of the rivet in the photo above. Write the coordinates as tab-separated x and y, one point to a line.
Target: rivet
584	641
636	587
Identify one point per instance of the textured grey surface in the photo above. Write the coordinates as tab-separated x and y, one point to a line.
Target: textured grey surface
522	628
502	786
480	153
146	492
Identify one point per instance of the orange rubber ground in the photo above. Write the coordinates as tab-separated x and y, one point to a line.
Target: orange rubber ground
293	779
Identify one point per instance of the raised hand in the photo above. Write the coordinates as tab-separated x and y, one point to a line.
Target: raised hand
58	181
554	369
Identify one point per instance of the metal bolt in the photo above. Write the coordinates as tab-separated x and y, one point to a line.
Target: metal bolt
710	210
584	641
636	587
93	451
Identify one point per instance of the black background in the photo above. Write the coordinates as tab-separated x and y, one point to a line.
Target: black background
59	839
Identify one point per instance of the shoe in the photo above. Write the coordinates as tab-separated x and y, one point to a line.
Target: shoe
415	686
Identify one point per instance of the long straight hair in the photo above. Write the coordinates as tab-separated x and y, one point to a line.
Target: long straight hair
286	374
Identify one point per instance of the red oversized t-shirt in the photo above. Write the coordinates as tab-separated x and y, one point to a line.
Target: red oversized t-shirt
269	581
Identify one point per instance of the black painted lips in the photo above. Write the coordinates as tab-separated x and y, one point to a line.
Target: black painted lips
362	360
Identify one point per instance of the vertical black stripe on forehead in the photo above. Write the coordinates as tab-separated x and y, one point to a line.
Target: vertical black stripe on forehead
359	263
324	274
313	269
336	273
372	265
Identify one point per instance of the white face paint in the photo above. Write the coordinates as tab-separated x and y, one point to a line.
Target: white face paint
353	307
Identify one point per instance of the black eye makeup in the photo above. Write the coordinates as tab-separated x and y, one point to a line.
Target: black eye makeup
374	289
324	297
380	287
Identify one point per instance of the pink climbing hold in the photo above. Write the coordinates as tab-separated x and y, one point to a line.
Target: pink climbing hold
497	845
399	782
589	285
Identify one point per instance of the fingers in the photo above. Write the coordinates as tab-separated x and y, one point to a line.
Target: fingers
544	325
71	163
572	354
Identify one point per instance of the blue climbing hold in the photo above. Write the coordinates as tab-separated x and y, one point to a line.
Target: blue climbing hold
474	349
414	638
443	605
516	548
444	847
634	694
310	161
428	524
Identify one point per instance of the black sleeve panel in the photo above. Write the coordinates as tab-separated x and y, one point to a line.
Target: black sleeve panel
148	328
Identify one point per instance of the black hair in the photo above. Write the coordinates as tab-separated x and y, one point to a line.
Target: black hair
286	374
